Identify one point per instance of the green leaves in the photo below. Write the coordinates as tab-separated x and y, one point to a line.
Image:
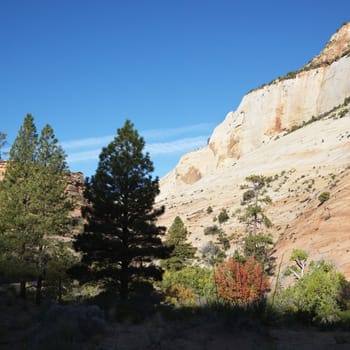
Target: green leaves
316	294
323	197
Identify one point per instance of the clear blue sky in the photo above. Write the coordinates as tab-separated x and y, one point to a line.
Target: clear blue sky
174	67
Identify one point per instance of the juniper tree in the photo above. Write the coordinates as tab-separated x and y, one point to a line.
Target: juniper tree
121	241
183	252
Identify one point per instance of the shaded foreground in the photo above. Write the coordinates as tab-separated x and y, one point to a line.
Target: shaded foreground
134	326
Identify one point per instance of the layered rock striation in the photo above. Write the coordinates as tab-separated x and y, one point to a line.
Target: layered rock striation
297	129
275	108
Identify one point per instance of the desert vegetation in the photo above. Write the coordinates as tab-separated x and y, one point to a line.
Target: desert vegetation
69	285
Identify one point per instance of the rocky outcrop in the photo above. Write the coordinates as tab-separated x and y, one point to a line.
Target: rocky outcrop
274	109
296	129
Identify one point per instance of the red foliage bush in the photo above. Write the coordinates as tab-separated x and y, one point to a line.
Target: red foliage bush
240	283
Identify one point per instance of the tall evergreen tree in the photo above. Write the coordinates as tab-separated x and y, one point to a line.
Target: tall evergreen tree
50	204
121	241
17	223
33	205
183	251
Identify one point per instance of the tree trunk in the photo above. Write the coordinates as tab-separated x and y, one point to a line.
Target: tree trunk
38	295
59	290
124	281
23	290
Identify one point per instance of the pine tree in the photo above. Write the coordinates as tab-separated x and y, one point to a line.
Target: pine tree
121	240
17	223
33	205
257	243
183	252
50	202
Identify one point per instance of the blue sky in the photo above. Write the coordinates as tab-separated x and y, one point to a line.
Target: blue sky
174	68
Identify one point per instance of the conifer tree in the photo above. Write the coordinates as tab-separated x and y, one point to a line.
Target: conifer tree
17	223
50	202
33	205
121	241
182	252
257	243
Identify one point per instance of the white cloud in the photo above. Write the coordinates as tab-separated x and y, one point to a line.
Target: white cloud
177	146
88	142
168	132
83	150
159	148
76	157
152	134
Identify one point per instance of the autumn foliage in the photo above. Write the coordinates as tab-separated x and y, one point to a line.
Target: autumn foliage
240	283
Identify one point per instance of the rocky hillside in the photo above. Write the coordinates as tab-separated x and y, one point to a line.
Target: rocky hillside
296	129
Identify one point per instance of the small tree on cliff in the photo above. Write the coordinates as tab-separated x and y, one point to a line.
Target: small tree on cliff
257	243
121	240
183	252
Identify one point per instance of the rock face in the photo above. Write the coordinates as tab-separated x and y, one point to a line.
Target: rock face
275	108
298	126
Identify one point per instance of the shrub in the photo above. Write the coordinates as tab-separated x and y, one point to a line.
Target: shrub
318	296
190	285
223	216
212	230
323	197
240	283
67	326
209	210
212	254
248	195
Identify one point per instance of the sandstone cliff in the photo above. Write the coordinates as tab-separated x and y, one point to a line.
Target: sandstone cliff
271	110
296	128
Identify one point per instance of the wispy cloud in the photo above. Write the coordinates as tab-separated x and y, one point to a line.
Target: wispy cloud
171	132
149	135
159	142
177	146
76	157
159	148
88	142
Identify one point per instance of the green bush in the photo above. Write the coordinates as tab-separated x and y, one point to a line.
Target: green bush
248	195
209	210
323	197
316	297
223	216
212	230
194	283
